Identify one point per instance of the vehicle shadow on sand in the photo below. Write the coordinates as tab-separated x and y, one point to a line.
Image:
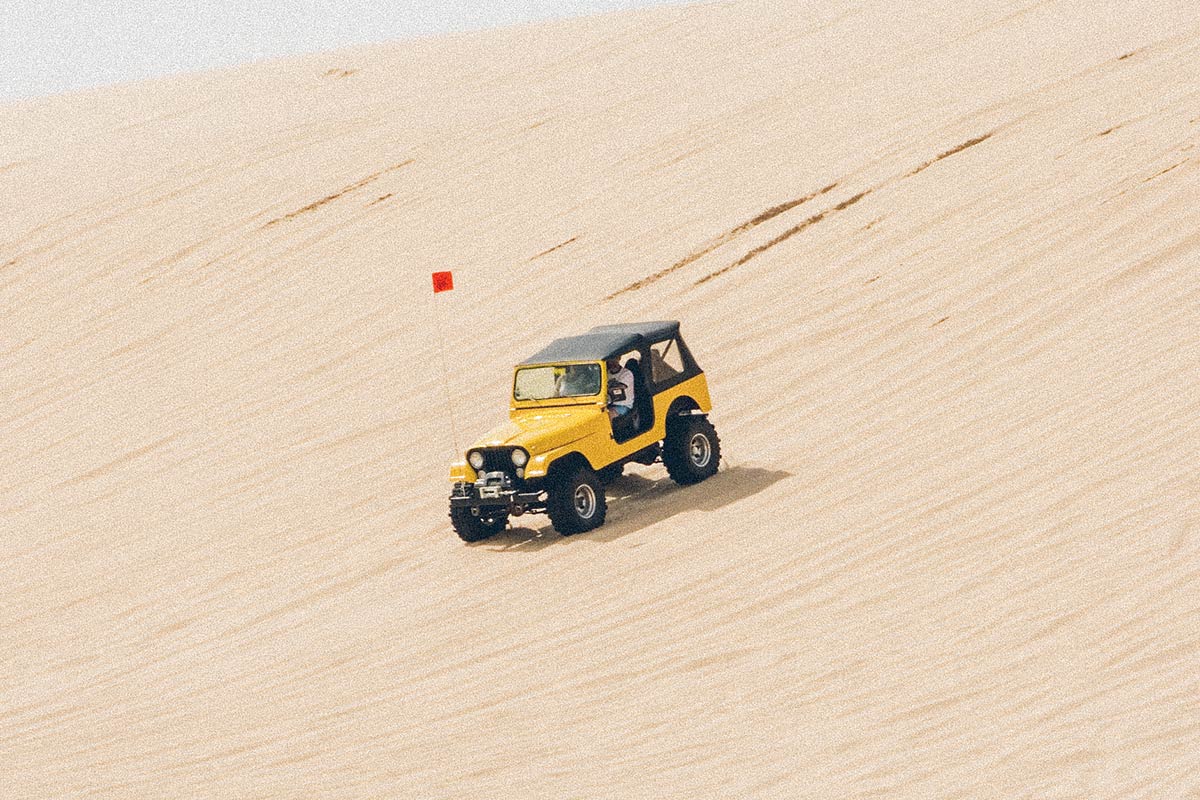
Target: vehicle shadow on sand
635	502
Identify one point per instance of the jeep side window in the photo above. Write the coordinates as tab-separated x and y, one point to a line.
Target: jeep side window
665	361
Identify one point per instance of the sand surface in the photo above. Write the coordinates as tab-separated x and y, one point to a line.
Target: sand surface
940	260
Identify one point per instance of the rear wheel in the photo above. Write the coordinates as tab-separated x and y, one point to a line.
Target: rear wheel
576	503
472	528
691	450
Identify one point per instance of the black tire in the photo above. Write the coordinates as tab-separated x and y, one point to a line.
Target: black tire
576	503
471	528
610	473
692	449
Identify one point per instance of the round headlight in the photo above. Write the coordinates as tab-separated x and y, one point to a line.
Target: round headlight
475	459
520	458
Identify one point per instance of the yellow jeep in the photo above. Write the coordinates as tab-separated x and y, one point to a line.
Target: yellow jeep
582	408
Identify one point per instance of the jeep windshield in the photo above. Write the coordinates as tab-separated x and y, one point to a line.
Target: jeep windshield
557	381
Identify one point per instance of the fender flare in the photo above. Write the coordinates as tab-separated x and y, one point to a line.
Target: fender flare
683	406
568	461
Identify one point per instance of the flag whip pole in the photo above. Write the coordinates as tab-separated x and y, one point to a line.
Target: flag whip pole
444	282
449	396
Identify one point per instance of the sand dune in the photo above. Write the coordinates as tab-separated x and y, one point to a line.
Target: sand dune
941	264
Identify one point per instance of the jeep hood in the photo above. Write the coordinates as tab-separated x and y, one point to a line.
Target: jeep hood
541	429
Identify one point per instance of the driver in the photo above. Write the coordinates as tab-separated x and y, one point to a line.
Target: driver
623	376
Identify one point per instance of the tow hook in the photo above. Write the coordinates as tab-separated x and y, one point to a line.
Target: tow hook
517	511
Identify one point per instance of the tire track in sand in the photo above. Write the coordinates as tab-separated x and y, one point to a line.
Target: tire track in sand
776	211
724	238
313	206
842	206
783	237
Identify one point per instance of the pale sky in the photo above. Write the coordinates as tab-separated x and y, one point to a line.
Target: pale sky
51	46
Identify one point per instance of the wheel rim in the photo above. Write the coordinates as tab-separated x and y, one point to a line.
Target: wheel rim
585	501
700	450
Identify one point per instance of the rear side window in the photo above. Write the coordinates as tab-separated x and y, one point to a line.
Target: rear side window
665	362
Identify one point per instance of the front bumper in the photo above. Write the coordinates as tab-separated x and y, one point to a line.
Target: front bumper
494	491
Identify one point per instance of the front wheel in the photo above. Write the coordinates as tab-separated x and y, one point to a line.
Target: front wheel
472	528
692	449
576	503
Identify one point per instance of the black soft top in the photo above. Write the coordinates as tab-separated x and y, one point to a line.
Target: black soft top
604	341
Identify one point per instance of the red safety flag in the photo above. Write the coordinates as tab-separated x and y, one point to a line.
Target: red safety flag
443	281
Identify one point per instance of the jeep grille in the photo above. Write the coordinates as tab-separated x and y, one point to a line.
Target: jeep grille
497	459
